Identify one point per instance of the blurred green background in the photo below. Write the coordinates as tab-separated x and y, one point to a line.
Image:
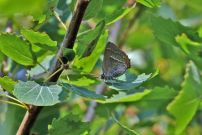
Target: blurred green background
164	36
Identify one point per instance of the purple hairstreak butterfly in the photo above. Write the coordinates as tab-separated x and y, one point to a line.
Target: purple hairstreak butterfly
115	62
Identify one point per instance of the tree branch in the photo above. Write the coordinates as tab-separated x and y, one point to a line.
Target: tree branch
68	42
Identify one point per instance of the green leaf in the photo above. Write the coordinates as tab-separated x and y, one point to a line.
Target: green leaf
93	9
90	46
127	81
78	79
7	83
159	97
150	3
17	49
131	96
40	39
161	93
83	92
33	93
166	30
174	34
190	47
34	7
187	44
113	10
72	123
2	57
188	99
117	15
125	128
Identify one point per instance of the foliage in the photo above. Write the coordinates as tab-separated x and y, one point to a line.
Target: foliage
159	94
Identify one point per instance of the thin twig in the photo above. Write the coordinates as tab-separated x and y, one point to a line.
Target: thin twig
68	42
58	18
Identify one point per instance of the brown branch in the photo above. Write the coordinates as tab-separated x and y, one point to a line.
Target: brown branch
68	42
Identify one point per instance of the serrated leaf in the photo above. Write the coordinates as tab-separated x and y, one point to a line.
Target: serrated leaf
150	3
70	122
175	34
7	83
188	99
127	81
17	49
40	39
81	91
33	93
94	44
93	9
166	30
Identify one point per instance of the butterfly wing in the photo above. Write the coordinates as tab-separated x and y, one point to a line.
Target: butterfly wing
115	62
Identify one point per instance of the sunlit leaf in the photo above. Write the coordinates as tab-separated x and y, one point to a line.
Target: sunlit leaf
131	96
2	57
90	46
17	49
7	83
34	7
79	79
188	99
150	3
40	39
190	47
113	10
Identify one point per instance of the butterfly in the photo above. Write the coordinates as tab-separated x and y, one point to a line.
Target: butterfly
115	62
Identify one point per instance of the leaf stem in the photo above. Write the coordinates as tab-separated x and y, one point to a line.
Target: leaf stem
13	103
59	19
10	97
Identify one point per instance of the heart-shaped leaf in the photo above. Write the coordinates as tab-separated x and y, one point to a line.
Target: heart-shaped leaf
33	93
